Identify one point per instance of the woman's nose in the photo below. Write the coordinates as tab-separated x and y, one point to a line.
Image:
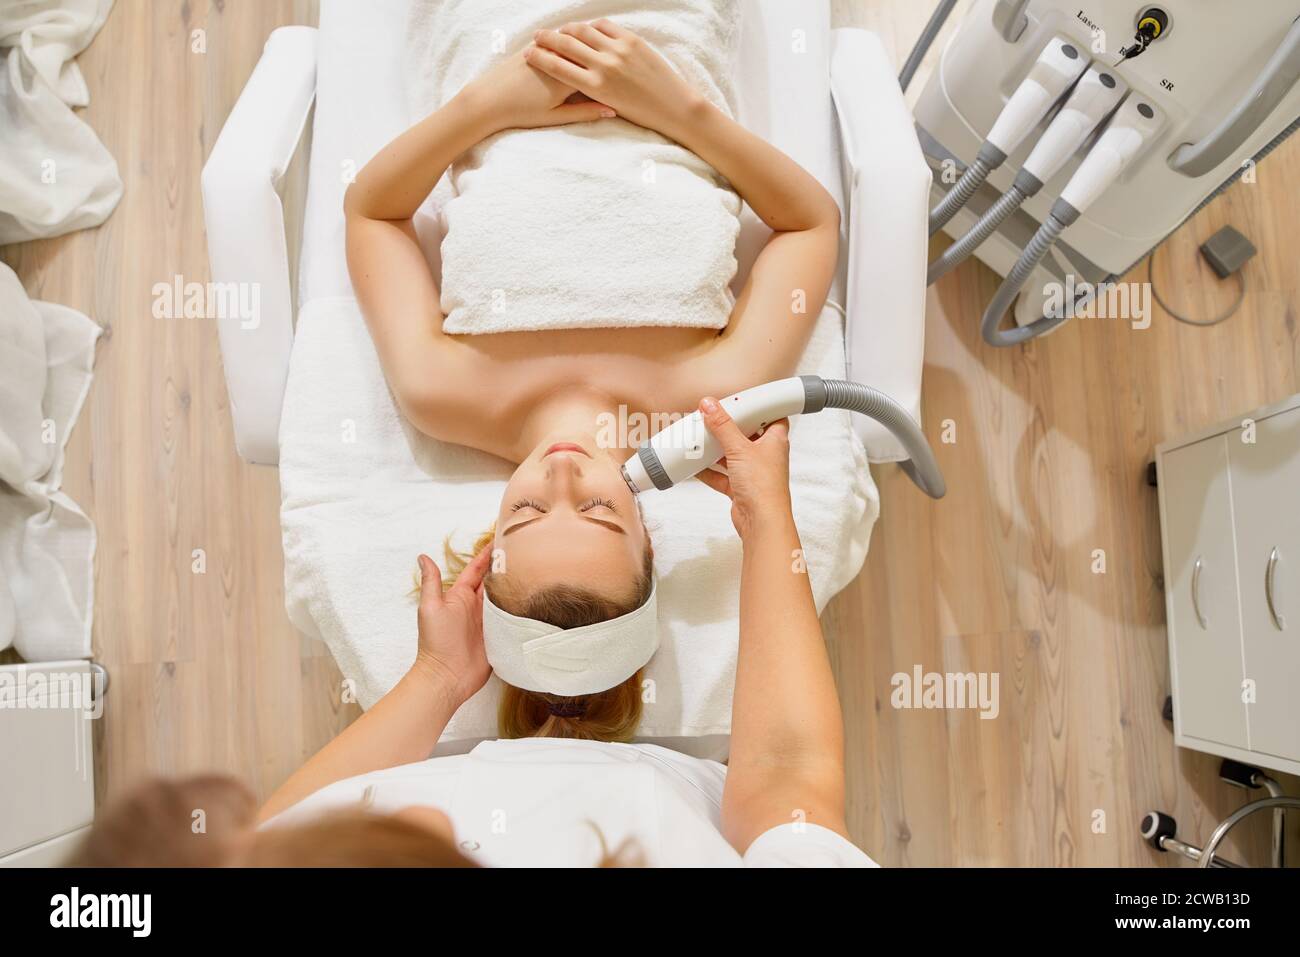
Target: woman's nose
565	463
564	469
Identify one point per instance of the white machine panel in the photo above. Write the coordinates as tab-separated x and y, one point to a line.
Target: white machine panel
1201	67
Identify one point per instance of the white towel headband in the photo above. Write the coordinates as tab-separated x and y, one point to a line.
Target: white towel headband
535	656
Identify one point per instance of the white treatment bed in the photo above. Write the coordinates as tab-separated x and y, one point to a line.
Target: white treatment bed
363	493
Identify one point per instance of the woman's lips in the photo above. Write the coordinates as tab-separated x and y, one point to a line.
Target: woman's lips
566	447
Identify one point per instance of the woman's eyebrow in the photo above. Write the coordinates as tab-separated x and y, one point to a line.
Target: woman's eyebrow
589	518
515	528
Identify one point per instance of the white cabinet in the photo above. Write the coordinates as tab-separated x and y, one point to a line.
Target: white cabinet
1230	523
47	781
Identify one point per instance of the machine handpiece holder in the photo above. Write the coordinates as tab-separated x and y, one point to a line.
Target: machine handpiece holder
687	447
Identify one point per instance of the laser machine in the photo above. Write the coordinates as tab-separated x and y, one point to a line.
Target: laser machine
1068	140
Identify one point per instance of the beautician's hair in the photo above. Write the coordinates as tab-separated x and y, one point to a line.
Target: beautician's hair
157	824
610	715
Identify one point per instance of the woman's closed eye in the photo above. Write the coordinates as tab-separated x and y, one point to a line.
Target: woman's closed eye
584	507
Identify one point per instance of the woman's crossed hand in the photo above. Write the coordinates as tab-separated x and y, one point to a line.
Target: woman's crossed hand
614	66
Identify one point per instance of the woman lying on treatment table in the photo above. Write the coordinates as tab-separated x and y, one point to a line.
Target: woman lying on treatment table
570	548
373	797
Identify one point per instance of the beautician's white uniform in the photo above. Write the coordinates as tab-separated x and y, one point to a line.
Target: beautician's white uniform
534	801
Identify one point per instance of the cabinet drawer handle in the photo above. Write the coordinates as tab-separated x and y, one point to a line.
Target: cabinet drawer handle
1278	620
1196	593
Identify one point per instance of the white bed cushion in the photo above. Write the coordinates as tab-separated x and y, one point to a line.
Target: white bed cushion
363	493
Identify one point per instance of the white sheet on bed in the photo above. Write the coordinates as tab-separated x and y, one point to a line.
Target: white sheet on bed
363	493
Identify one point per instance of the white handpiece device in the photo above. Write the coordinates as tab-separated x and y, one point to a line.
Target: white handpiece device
1088	104
1057	66
1136	122
1091	100
687	447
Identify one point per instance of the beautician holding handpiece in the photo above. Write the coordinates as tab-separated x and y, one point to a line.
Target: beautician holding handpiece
372	796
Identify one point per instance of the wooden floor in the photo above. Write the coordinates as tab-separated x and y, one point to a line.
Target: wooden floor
1051	444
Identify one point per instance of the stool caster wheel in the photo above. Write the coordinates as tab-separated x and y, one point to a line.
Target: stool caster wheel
1156	826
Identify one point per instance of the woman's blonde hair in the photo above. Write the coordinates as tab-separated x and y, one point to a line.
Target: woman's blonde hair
610	715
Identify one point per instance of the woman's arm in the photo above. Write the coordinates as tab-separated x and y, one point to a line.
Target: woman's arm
787	735
787	286
406	723
402	727
394	286
431	373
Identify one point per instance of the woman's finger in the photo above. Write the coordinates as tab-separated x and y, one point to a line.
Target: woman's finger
430	583
588	35
611	29
555	66
569	47
780	429
716	481
723	427
472	575
584	112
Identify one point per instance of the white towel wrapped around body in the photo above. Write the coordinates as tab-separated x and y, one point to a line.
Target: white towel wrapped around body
589	225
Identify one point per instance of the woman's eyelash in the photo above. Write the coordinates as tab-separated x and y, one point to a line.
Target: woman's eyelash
589	504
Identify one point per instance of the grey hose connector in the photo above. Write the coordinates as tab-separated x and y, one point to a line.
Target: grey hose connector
986	161
920	466
1061	216
1025	186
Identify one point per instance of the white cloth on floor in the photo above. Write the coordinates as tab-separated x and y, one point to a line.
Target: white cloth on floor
55	174
587	225
47	544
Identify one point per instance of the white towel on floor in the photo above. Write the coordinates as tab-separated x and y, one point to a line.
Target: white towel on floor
364	494
590	225
47	544
55	174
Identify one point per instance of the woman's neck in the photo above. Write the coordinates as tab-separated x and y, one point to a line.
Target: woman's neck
575	414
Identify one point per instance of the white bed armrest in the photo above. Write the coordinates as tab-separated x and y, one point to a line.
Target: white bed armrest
887	185
247	243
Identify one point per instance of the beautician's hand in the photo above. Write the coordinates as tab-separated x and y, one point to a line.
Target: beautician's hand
517	96
758	470
451	626
612	64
